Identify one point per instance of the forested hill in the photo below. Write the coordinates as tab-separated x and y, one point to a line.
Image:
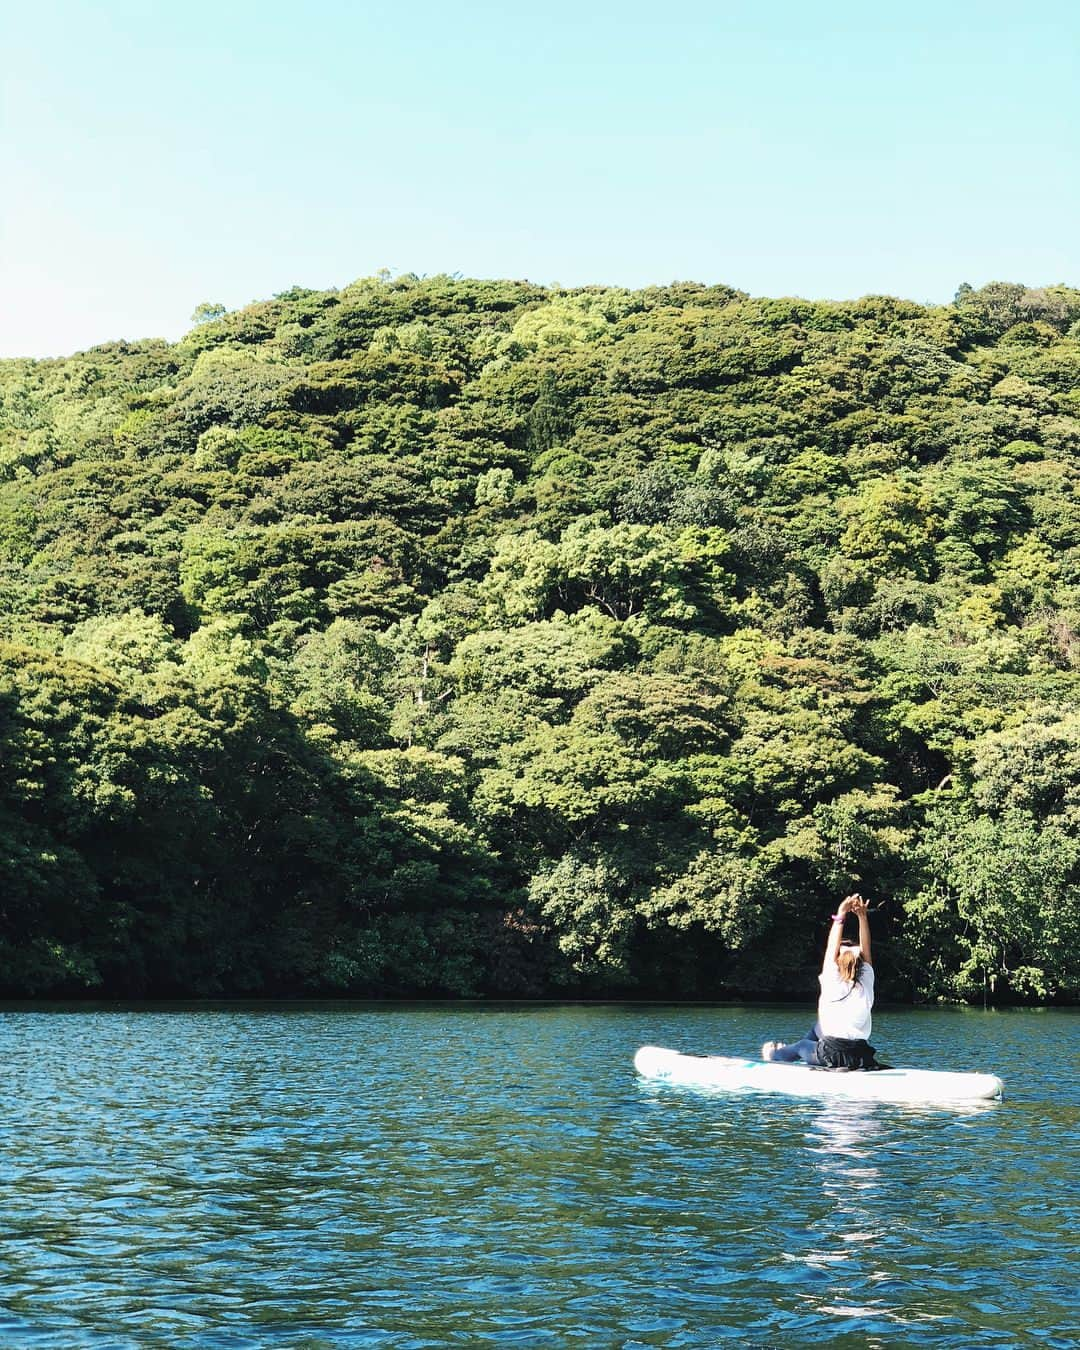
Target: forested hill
449	636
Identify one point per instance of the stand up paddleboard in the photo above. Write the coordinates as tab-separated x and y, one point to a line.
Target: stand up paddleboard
799	1080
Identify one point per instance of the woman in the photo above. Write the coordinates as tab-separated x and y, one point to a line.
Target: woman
840	1038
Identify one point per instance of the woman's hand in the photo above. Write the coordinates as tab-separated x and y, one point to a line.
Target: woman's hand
858	905
848	904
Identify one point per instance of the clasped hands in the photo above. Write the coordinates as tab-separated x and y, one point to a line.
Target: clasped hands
853	904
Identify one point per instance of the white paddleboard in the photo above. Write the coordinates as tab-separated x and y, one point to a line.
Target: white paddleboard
799	1080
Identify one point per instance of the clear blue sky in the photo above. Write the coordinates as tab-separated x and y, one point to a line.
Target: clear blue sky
156	155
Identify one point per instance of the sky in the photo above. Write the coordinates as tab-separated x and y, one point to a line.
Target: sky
154	156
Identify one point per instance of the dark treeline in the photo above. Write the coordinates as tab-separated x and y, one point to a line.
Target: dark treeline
448	636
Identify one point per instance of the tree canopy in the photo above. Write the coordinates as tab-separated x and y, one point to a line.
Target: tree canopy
435	635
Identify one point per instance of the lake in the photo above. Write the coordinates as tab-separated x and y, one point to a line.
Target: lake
430	1175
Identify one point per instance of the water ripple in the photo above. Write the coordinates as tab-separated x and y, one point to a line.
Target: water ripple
436	1176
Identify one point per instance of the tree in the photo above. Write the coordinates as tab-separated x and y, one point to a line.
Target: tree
208	312
436	635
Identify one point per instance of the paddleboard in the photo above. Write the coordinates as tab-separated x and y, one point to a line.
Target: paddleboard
799	1080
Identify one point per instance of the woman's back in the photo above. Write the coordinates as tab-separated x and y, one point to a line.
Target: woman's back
843	1007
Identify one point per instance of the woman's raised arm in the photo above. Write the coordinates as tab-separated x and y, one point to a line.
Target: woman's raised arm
860	908
836	932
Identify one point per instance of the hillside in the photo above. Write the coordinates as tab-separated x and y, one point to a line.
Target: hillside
471	637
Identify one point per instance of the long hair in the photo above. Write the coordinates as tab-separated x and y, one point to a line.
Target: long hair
849	963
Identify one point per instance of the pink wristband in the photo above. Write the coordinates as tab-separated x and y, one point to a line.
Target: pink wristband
838	918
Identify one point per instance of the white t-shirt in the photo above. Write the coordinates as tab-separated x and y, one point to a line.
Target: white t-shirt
844	1009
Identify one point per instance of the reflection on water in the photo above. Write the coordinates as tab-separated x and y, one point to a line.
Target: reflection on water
844	1139
451	1176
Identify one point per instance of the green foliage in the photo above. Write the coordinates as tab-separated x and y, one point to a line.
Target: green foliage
584	899
450	636
1006	891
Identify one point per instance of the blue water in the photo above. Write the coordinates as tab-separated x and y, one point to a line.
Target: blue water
444	1175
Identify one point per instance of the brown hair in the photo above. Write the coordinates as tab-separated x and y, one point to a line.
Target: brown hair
849	962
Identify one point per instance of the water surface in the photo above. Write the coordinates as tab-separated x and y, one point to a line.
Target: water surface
455	1175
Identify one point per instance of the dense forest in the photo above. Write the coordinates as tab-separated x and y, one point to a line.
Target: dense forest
438	636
